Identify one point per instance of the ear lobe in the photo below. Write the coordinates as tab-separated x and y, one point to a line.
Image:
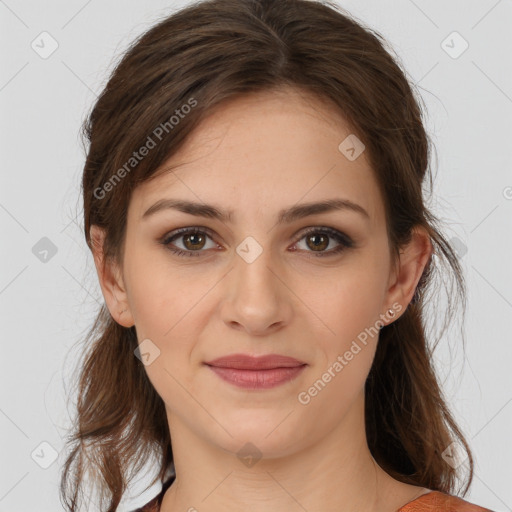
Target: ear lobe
413	260
110	279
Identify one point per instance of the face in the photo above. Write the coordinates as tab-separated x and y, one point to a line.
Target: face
259	282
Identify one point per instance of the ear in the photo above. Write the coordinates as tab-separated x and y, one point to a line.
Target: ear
111	281
405	277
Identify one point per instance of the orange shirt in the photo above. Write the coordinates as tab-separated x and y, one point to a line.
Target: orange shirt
433	501
436	501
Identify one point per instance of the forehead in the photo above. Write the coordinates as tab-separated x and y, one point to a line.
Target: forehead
260	152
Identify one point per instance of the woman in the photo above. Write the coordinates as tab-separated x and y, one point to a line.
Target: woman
253	202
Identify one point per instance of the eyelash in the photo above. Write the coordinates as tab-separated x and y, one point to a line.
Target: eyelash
344	241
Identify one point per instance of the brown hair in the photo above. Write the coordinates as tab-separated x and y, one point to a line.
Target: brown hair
201	56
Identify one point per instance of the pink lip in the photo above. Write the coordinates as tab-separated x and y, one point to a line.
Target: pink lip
262	372
246	362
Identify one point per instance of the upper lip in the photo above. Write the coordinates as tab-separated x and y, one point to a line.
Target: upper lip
247	362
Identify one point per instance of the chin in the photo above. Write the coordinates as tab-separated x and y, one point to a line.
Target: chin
269	437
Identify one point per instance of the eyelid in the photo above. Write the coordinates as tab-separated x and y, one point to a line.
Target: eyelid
344	240
302	232
176	233
333	232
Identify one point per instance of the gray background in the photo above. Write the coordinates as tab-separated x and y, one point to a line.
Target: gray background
48	299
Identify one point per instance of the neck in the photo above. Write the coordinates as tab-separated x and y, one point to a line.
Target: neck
334	473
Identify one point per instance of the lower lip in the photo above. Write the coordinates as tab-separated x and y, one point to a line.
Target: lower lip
257	379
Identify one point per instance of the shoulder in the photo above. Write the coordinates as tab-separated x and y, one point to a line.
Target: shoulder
436	501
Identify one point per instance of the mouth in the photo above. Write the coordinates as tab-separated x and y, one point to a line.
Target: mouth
251	372
248	362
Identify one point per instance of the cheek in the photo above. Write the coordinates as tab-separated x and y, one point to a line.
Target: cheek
345	304
162	298
169	309
346	340
172	309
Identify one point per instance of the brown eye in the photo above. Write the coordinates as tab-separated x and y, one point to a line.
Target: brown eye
192	240
318	239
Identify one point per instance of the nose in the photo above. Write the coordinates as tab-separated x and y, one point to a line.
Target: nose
257	299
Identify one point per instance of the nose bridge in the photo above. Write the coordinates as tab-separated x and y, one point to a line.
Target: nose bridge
257	298
253	268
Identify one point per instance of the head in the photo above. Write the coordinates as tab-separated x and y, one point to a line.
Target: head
268	108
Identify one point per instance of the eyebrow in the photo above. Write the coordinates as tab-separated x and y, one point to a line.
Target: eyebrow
285	216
